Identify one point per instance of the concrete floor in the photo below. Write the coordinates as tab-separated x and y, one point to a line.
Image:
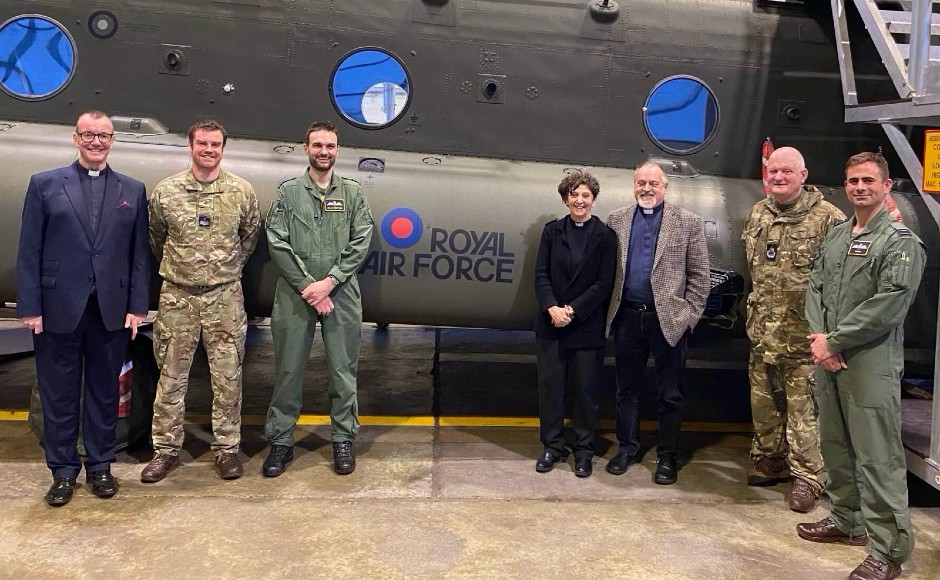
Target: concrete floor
424	502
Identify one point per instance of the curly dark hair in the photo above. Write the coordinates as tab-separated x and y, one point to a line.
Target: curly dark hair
576	178
207	125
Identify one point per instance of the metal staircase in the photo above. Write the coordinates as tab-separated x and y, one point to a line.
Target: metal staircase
904	39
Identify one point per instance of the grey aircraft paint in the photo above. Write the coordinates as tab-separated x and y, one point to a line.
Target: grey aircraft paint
478	169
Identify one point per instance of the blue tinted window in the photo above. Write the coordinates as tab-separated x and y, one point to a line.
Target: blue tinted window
370	88
681	115
37	57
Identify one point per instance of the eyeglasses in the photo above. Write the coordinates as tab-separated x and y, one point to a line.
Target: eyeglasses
89	136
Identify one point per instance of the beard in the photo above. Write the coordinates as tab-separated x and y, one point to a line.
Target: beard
321	164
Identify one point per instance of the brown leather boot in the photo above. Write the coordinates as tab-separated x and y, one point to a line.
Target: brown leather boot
768	471
874	569
826	531
803	497
229	465
159	467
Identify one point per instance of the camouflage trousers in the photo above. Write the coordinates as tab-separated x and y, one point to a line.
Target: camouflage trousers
217	316
784	411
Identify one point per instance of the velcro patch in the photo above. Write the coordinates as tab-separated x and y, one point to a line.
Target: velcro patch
859	248
334	205
771	252
204	221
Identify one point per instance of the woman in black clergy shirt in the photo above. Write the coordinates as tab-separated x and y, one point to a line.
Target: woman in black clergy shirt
574	276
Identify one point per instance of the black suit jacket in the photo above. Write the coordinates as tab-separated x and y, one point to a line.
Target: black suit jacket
585	286
59	257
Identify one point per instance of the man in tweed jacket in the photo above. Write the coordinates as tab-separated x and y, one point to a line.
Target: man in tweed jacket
659	295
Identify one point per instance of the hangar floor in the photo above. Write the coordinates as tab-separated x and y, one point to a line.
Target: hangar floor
445	487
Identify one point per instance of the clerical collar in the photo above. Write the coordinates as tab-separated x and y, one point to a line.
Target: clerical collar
91	172
652	210
577	223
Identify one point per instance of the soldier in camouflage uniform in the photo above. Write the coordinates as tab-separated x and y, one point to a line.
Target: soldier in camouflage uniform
780	236
318	229
204	225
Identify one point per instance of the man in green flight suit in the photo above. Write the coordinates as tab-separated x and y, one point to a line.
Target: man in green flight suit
864	278
319	229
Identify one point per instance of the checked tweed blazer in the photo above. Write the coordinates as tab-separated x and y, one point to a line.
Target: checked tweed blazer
681	276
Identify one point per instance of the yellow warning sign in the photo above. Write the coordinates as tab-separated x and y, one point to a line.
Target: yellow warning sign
932	161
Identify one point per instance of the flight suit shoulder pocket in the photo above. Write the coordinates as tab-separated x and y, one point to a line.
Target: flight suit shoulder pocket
901	266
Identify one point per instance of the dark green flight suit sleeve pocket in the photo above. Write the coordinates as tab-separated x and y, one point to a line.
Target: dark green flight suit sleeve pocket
901	269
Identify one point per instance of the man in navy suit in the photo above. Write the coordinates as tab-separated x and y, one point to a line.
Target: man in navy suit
81	286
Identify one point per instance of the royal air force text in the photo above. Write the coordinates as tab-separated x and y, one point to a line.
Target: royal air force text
452	255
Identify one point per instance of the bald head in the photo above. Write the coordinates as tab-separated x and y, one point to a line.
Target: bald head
786	173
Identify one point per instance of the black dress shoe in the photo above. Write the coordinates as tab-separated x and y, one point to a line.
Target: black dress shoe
619	463
344	462
666	471
278	459
102	483
61	491
583	466
547	461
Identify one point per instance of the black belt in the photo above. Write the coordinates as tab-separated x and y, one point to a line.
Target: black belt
640	306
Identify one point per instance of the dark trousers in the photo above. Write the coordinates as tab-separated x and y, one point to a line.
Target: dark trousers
636	335
61	360
556	366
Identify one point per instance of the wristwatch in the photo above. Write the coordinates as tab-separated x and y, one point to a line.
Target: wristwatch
334	279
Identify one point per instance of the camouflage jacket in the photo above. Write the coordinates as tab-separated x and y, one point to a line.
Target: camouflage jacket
780	245
203	236
311	237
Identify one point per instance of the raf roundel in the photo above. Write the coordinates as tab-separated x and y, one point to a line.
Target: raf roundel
401	227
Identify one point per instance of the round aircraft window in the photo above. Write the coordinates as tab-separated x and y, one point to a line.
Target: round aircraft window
37	57
370	88
681	115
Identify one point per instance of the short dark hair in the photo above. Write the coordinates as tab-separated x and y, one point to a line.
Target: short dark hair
576	178
869	157
94	114
320	126
207	125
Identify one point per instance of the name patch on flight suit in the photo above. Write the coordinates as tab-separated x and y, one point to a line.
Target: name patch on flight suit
771	252
204	221
335	205
859	248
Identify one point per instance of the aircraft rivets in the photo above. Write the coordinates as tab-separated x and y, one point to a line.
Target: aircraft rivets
466	87
203	86
532	93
